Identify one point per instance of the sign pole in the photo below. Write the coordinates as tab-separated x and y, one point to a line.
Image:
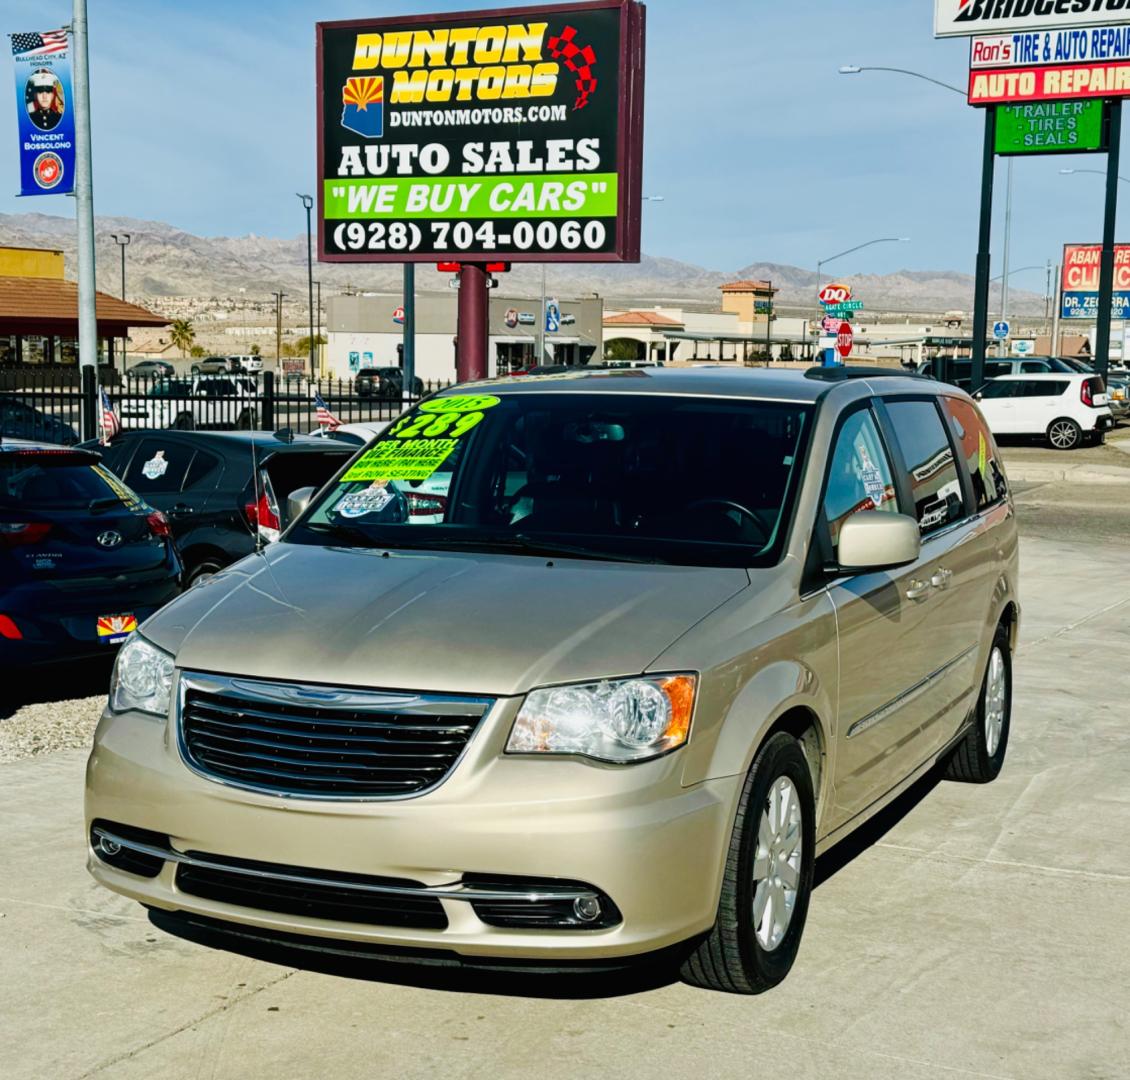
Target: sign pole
84	200
984	255
1057	307
1106	271
471	357
408	375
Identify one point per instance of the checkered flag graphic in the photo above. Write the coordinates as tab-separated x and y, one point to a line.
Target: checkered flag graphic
578	60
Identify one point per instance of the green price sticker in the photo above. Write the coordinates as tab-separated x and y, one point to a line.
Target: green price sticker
413	459
463	403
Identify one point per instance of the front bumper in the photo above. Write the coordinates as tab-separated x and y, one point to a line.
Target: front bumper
633	836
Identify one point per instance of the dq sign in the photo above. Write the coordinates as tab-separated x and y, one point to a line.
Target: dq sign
834	294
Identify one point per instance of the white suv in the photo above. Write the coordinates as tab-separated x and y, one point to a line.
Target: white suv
1065	409
203	402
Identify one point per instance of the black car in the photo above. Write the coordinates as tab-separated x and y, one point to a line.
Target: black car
19	420
385	382
224	492
83	560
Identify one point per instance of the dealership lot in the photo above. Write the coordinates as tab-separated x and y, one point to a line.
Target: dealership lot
981	935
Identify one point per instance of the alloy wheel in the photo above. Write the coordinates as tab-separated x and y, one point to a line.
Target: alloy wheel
996	699
776	865
1063	434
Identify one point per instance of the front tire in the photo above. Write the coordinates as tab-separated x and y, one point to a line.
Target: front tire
768	878
979	757
1064	434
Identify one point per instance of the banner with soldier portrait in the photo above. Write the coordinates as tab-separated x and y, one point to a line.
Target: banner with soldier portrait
45	107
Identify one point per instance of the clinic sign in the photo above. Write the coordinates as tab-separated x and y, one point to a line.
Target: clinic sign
1080	294
971	18
45	124
510	135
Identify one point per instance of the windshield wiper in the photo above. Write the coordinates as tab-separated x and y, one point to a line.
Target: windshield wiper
522	544
351	533
104	502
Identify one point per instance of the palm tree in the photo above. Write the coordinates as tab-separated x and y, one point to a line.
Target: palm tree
182	335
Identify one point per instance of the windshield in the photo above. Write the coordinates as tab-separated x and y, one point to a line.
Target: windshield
651	478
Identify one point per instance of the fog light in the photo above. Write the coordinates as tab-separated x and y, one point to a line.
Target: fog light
108	846
586	908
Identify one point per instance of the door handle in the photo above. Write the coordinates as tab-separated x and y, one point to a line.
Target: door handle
941	578
918	590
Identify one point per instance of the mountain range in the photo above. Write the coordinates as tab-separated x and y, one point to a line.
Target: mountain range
164	261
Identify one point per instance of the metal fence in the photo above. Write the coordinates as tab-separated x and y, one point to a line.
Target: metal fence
50	404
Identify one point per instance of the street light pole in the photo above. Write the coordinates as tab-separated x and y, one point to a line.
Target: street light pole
122	240
851	251
278	328
308	203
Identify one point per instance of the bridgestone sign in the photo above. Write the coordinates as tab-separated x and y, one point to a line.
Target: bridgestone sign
971	18
491	136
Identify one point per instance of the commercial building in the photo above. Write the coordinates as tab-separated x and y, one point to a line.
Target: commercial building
367	331
39	313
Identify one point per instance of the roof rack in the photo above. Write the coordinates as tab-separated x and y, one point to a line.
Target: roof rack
843	374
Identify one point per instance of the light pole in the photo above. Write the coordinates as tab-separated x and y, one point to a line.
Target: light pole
308	202
278	329
859	247
122	240
856	69
1097	172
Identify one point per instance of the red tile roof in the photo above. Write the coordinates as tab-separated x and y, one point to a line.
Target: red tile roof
50	301
749	286
640	318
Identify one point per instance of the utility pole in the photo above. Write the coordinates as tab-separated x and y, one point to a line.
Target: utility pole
84	211
769	328
122	240
541	322
1055	314
278	328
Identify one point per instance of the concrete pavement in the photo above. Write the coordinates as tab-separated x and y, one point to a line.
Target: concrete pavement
973	932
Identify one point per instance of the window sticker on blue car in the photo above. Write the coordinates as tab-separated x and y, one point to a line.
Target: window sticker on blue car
156	466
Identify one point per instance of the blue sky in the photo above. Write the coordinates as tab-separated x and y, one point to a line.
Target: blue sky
204	117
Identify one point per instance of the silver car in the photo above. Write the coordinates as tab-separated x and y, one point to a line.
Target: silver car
657	639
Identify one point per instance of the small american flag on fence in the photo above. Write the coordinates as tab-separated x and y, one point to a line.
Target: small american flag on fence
111	425
324	417
45	44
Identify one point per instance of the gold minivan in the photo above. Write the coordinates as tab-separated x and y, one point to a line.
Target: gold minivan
574	669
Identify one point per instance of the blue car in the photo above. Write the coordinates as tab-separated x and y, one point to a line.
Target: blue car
19	420
83	560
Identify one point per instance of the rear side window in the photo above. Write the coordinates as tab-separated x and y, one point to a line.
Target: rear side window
1005	388
979	451
158	466
860	476
930	463
203	472
1031	388
1032	366
996	368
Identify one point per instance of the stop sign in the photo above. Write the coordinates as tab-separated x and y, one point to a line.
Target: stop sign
844	340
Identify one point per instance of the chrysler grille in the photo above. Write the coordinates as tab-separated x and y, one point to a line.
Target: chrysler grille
319	742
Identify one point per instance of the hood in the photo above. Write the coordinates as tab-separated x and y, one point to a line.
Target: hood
440	622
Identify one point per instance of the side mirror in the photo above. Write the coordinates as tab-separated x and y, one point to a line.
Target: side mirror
978	396
876	541
297	501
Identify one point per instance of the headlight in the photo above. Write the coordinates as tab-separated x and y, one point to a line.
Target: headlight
142	679
621	722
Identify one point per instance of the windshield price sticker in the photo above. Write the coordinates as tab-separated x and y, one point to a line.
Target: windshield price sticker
460	404
510	135
413	459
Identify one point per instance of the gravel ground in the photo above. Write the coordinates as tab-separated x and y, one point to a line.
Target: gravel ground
55	710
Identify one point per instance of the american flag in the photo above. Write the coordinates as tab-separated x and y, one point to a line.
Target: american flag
325	418
111	425
52	41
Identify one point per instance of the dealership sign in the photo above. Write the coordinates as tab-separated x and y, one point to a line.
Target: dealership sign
970	18
1081	265
1050	127
499	136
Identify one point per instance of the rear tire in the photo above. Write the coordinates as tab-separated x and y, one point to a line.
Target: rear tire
196	369
246	421
184	422
201	571
979	757
757	933
1064	434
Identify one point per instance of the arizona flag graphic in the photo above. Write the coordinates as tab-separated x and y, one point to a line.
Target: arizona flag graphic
364	101
115	628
